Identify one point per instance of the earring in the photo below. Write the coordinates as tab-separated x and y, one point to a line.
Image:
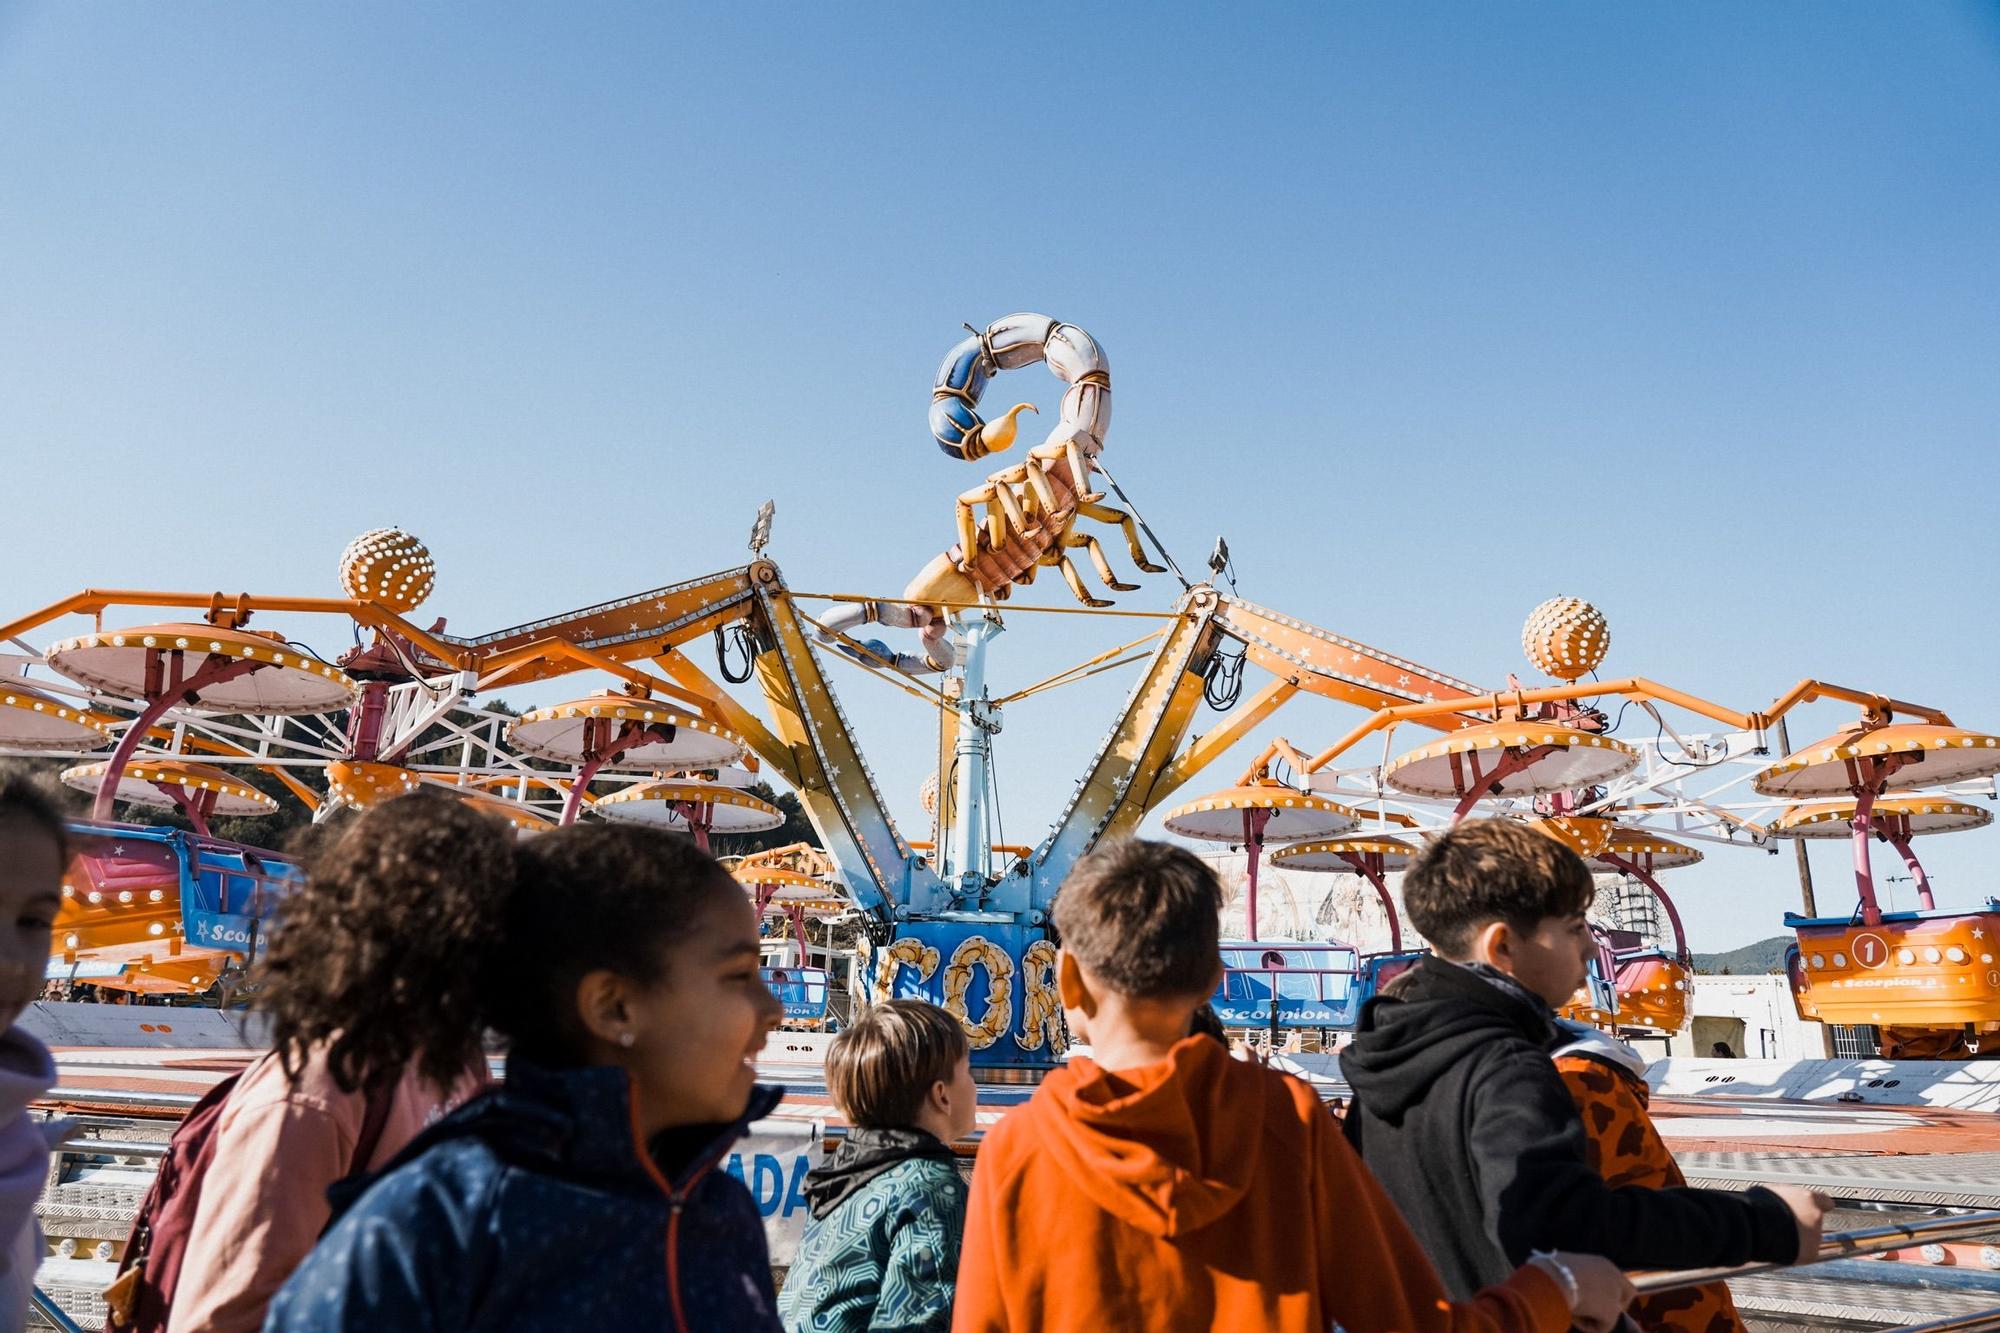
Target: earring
626	1039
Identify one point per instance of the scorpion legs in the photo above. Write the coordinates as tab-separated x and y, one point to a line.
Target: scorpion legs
1075	580
968	527
1039	491
1004	514
1088	544
1079	471
1106	514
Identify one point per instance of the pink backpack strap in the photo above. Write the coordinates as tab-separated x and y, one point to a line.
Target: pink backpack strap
381	1100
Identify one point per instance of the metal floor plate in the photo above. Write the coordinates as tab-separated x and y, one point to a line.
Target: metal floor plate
1959	1180
1816	1302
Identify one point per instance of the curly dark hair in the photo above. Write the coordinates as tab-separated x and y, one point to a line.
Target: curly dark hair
379	956
592	897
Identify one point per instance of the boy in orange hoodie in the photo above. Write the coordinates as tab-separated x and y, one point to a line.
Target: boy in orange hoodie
1160	1184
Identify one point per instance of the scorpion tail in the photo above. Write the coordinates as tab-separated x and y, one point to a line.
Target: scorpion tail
999	433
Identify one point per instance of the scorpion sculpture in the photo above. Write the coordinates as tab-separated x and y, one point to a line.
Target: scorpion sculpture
1021	518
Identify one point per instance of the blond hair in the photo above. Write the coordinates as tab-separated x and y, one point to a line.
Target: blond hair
881	1067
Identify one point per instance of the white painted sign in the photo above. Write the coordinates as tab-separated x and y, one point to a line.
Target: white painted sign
772	1164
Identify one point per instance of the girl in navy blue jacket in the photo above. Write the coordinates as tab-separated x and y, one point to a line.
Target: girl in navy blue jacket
588	1191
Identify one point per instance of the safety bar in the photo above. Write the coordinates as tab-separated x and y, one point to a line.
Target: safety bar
113	1148
1846	1245
168	1101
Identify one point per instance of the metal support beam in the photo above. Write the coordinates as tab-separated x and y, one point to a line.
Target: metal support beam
834	785
1142	741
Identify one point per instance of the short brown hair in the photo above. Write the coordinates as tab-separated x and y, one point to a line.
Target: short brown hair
1487	870
881	1067
1143	917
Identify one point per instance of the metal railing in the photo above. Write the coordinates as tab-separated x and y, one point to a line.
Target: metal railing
1839	1245
1856	1245
165	1101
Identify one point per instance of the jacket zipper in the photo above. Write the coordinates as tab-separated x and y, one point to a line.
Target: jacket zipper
676	1204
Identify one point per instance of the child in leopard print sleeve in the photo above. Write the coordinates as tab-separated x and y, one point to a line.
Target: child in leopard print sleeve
1606	1079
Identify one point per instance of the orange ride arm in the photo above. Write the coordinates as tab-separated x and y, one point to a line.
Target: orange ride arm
724	709
93	601
1206	748
1337	667
640	626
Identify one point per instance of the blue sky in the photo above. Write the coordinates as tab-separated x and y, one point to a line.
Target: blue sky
1434	310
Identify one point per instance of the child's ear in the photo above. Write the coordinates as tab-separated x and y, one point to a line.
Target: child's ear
603	1004
1071	985
1493	944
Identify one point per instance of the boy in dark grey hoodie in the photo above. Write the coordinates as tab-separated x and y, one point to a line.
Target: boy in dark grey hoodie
1460	1112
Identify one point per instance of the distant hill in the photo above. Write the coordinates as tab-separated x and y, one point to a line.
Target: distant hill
1750	960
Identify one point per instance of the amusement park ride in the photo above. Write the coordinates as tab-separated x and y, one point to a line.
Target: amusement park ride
185	706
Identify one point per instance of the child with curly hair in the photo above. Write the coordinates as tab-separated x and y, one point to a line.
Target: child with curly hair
376	1032
587	1192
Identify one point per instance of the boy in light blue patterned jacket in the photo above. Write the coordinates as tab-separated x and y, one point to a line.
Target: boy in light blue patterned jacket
888	1208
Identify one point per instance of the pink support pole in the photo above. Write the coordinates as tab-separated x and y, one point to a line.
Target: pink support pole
365	735
1369	866
1864	878
197	809
1511	762
1644	874
573	803
596	755
212	672
1253	842
700	817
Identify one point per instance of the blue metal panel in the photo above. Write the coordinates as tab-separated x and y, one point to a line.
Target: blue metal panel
1292	984
1014	1046
802	990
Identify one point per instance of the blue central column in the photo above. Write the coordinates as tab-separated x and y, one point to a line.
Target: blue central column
971	867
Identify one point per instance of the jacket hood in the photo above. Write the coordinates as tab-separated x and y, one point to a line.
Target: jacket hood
1168	1148
1574	1038
865	1154
1440	1013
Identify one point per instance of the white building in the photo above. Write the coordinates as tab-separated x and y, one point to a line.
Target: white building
1306	905
1755	1015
